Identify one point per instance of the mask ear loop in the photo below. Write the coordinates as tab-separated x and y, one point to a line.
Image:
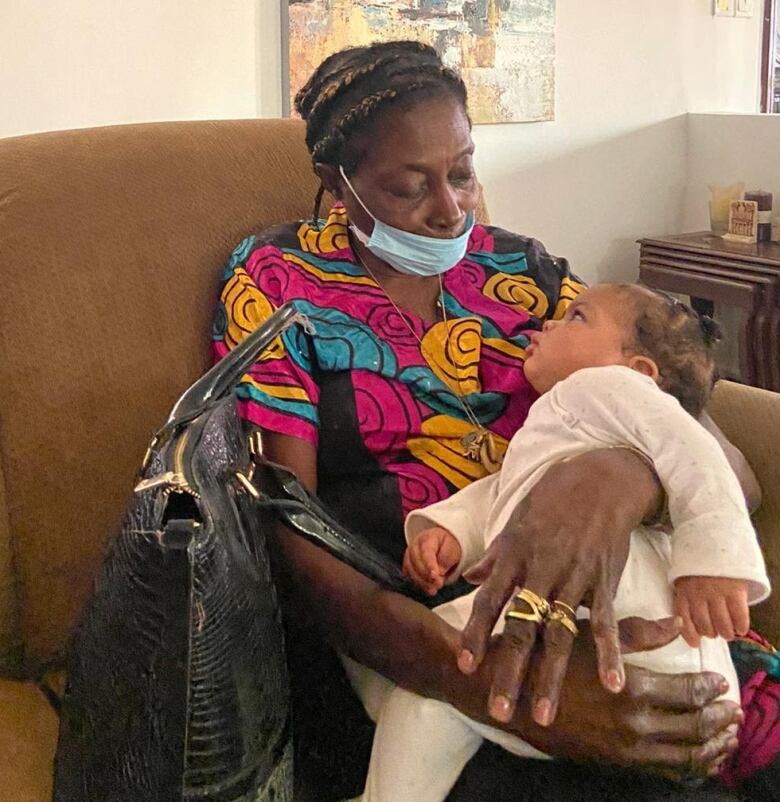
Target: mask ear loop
352	190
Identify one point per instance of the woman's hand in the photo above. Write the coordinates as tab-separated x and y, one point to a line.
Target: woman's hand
569	542
667	723
670	724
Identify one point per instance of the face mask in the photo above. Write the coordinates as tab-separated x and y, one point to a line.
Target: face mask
408	253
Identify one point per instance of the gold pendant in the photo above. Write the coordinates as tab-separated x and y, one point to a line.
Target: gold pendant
472	442
480	447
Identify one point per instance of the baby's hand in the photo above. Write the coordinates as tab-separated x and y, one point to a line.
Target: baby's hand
430	557
711	606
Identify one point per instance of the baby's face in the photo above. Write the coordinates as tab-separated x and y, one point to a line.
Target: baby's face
593	333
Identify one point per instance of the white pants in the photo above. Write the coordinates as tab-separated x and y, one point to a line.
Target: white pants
421	745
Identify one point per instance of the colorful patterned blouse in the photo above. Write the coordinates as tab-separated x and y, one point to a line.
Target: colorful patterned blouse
383	411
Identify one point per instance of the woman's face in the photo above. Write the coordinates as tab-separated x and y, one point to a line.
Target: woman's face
417	172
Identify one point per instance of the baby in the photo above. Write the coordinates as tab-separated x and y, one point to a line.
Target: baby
625	367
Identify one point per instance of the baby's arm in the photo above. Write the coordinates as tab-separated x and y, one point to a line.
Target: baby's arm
751	489
431	557
463	515
712	537
711	606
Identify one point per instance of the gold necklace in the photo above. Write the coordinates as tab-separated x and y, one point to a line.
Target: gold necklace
478	444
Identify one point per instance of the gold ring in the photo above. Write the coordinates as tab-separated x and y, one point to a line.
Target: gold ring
557	617
569	610
539	608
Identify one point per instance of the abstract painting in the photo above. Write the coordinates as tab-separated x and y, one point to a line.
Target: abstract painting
504	49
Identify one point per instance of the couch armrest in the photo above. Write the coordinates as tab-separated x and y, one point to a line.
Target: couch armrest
750	419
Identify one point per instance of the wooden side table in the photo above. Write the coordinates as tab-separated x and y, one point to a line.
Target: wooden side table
712	270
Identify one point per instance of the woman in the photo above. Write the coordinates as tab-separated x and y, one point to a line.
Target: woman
410	389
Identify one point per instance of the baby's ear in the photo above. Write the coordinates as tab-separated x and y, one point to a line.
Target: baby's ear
645	366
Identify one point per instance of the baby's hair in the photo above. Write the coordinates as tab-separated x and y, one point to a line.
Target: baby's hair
346	93
679	341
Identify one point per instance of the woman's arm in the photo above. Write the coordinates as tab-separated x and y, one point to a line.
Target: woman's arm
416	649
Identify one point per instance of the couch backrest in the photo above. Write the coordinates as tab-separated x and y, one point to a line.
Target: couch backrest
112	242
111	247
750	418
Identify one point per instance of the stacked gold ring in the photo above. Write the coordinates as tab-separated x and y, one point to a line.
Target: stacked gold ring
538	607
539	611
566	608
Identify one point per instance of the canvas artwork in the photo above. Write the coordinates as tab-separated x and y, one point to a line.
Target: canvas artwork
504	49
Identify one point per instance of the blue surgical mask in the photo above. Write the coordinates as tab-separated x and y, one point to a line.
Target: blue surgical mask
412	254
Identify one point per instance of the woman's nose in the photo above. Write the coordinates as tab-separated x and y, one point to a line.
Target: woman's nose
447	214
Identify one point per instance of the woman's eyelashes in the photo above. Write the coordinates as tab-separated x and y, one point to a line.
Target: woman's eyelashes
463	178
409	193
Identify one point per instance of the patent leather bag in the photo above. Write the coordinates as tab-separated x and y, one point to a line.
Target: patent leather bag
177	684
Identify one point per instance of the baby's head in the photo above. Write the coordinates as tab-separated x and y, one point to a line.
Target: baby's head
625	324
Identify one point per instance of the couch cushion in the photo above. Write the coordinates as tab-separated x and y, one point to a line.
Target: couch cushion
28	737
112	242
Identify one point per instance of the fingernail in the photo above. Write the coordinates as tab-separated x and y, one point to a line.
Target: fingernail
615	681
717	766
499	708
466	661
732	745
543	712
724	686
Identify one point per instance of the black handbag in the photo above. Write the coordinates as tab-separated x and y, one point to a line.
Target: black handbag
177	685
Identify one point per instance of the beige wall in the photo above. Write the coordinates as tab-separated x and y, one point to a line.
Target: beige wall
724	149
612	167
79	63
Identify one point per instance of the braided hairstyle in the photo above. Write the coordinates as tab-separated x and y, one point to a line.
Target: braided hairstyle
347	92
680	342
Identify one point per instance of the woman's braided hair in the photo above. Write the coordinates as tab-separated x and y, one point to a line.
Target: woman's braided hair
680	342
345	94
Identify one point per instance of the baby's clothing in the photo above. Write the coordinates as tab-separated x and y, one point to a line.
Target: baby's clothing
712	535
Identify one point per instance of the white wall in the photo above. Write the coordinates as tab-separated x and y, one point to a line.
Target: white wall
611	167
724	149
78	63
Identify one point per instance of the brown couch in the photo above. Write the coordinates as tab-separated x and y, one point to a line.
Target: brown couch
111	242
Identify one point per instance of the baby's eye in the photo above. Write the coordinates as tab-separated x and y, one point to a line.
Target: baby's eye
576	314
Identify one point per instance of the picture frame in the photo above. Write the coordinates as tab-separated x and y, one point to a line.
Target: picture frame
743	8
743	221
723	8
507	61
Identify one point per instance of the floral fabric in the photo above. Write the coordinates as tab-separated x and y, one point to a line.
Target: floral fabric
405	376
